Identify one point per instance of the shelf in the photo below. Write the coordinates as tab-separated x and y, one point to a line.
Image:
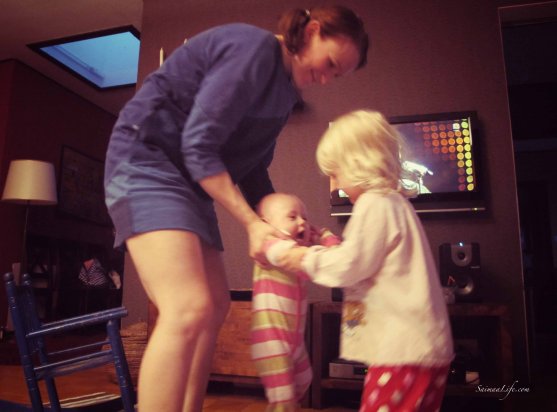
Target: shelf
241	380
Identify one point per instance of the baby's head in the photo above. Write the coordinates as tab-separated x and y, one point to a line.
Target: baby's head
361	151
286	213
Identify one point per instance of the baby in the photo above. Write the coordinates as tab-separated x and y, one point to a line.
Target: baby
280	308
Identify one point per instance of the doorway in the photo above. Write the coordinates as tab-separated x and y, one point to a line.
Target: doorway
531	65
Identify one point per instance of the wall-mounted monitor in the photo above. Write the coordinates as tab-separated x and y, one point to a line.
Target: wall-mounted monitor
443	160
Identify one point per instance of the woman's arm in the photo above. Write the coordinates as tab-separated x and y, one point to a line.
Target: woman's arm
257	184
221	188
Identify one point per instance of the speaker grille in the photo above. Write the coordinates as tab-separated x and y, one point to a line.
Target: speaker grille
459	269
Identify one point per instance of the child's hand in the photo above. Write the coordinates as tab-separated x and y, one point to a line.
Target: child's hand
328	238
314	235
323	236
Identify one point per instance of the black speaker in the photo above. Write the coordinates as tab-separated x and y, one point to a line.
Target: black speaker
459	269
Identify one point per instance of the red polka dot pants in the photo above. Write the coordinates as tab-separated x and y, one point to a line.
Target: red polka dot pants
404	389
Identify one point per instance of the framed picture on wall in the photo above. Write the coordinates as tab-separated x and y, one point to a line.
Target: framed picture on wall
81	187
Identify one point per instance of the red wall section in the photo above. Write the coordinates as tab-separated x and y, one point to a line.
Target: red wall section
38	117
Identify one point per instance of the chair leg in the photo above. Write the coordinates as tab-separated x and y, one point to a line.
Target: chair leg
50	385
53	395
33	388
120	363
24	352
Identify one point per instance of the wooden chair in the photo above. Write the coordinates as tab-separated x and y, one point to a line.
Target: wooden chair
39	364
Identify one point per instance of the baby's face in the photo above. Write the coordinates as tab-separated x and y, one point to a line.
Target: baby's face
289	215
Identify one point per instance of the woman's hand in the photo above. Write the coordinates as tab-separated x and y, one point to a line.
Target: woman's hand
259	232
221	188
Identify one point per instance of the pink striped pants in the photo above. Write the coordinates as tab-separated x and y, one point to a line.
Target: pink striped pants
277	336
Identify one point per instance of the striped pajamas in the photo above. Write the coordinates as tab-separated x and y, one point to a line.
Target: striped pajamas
278	323
279	312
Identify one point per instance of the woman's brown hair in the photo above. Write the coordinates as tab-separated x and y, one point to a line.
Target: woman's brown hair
333	21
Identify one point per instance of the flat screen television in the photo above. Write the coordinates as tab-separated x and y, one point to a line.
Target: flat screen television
443	159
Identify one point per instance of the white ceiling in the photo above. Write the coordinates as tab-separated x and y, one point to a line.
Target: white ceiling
23	22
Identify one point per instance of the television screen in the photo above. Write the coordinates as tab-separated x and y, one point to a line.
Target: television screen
442	162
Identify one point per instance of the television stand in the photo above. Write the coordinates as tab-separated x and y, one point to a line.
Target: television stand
485	326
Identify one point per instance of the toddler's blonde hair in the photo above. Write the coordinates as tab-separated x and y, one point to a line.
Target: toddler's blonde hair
368	151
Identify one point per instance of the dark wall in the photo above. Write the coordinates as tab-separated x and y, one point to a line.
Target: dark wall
38	117
426	57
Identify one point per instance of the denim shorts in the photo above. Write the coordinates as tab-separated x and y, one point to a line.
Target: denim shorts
148	189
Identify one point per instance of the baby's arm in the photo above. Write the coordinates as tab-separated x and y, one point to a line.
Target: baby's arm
285	254
288	257
275	249
343	265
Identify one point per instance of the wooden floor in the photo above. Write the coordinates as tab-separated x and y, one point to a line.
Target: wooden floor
13	389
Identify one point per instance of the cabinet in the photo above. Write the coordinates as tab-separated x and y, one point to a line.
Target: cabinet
481	329
43	264
232	359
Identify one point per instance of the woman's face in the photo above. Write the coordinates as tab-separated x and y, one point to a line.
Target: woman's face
323	58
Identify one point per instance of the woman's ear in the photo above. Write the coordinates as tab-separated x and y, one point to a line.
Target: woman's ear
313	27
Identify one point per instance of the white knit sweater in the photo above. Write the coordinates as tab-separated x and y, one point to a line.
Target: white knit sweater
394	312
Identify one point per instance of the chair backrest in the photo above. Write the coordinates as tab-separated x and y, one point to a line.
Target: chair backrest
36	361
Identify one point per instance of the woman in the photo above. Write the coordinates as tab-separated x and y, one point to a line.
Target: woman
202	128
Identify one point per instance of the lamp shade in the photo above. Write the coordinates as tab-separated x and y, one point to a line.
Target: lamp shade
30	182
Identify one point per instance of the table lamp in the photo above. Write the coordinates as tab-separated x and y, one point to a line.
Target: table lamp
29	182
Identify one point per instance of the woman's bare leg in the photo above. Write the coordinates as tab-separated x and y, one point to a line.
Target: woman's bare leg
203	357
171	267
